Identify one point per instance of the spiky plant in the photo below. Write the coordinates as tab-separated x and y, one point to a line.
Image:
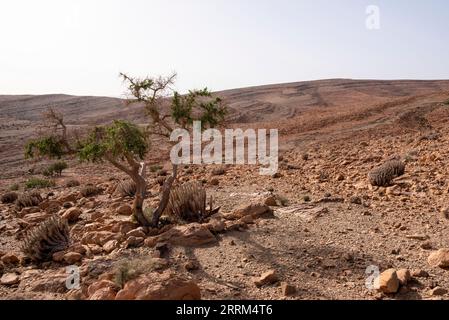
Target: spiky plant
49	237
383	175
90	191
127	188
188	203
9	197
29	199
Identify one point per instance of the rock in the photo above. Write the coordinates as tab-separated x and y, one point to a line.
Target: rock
439	258
355	200
124	210
191	265
102	290
256	210
67	205
159	286
438	291
72	197
10	258
404	276
270	201
99	237
427	245
214	182
110	246
138	233
58	256
287	289
104	294
216	225
36	217
445	213
50	206
418	273
389	282
9	279
72	214
72	257
54	283
191	235
268	277
133	242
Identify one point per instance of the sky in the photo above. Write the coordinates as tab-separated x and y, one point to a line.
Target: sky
80	46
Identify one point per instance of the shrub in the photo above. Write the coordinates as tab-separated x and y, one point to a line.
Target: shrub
383	175
126	270
127	188
155	168
55	168
26	200
14	187
72	183
46	239
9	197
187	202
37	183
90	191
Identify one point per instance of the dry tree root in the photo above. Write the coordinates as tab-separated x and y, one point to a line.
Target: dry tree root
383	175
46	239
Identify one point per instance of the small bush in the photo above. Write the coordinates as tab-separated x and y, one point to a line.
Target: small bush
126	270
383	175
14	187
90	191
55	169
37	183
50	236
9	197
155	168
72	183
127	188
26	200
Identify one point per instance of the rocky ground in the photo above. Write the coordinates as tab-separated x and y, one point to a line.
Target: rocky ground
308	232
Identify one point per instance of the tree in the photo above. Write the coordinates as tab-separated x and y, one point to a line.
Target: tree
124	144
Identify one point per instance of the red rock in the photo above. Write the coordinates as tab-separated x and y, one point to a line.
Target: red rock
10	258
72	257
267	278
439	258
72	214
389	282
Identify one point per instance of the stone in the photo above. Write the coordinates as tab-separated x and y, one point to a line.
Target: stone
10	258
36	217
94	287
287	289
404	276
445	213
72	257
190	235
124	210
72	214
110	246
439	258
191	265
214	182
216	225
133	242
438	291
160	286
270	201
138	233
99	237
267	278
256	210
9	279
418	273
58	256
104	294
389	282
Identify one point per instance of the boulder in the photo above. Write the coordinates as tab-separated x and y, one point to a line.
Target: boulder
159	286
389	282
439	258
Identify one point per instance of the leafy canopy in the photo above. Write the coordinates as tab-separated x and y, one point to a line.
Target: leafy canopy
50	146
118	140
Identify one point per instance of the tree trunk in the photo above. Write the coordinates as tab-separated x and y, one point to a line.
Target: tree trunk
165	197
141	185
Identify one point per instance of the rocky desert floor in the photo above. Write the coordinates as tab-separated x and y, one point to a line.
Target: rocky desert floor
308	232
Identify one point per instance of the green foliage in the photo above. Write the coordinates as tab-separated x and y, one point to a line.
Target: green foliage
211	110
14	187
37	183
50	146
118	140
55	168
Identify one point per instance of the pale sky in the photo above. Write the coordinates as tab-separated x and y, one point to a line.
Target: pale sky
80	46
